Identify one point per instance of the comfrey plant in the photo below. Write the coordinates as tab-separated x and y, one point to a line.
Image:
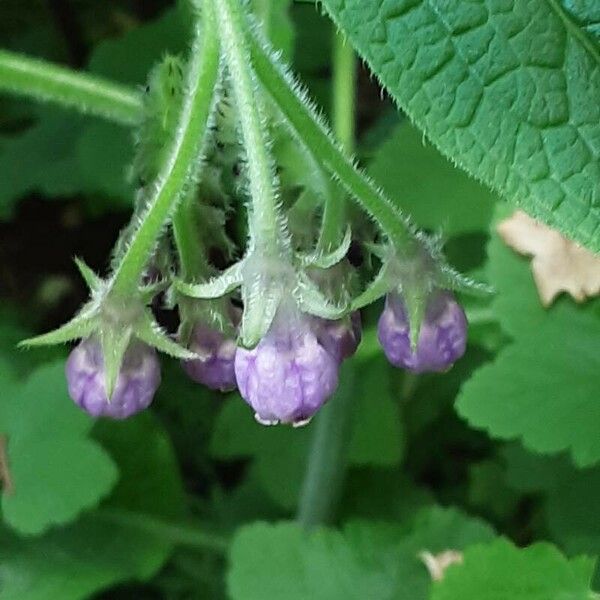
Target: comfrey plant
278	322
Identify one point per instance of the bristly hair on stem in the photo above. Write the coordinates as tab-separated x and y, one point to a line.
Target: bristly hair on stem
183	158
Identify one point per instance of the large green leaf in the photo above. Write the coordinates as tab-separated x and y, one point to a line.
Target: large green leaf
587	13
98	550
543	388
366	560
500	571
56	470
509	90
74	562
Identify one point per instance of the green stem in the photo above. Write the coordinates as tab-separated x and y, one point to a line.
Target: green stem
303	119
344	117
192	254
344	92
87	93
328	456
265	220
185	535
183	157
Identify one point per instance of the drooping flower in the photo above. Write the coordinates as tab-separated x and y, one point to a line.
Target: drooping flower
289	375
136	385
341	337
442	338
215	366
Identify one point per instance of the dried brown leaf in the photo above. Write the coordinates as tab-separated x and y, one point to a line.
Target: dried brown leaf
558	264
438	563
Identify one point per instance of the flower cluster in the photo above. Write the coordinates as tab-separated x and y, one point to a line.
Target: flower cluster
277	323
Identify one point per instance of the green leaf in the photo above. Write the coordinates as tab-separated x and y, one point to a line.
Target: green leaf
572	511
365	560
489	493
40	160
586	13
508	92
98	551
570	496
549	402
280	453
75	562
500	570
130	57
382	493
150	480
56	470
434	192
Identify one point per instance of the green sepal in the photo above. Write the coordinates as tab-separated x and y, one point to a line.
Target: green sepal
380	286
93	281
453	280
216	287
260	306
326	260
114	343
312	301
80	326
147	292
415	300
150	332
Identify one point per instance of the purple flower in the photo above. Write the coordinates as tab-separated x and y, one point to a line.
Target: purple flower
289	375
442	339
214	368
340	338
136	385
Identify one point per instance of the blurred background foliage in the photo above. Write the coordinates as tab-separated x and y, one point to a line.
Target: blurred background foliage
147	508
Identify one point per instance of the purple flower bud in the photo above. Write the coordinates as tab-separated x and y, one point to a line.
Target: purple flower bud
289	375
442	339
340	338
214	368
137	382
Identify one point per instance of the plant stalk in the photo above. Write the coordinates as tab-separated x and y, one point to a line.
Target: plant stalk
310	129
343	117
42	80
184	535
328	456
265	220
183	159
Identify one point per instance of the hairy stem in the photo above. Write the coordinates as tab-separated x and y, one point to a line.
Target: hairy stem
265	219
328	456
303	119
87	93
192	254
183	158
344	116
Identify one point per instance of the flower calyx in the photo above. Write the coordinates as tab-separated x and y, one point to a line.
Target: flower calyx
116	323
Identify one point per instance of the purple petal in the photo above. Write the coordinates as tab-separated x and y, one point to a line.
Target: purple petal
289	375
442	339
137	382
215	367
340	338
